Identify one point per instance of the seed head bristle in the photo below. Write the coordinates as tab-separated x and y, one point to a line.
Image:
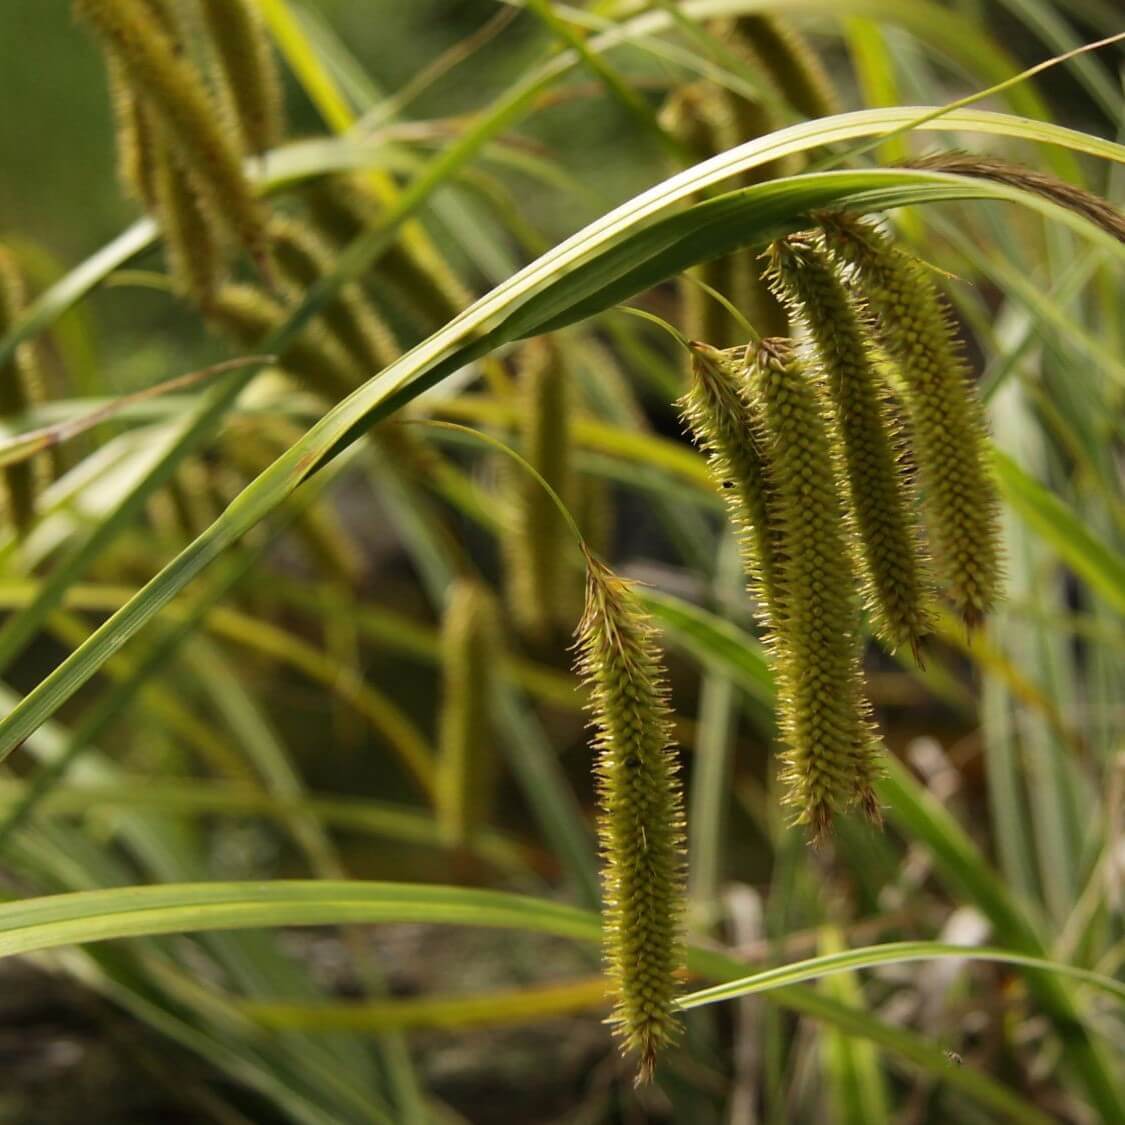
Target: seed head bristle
948	427
640	818
832	758
880	495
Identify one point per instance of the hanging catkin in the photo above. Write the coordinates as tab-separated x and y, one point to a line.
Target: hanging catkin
467	760
21	386
640	813
247	70
726	429
170	88
948	430
881	497
833	755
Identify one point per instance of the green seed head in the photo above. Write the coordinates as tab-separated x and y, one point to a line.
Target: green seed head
730	432
641	819
880	493
467	758
833	756
169	87
947	421
247	70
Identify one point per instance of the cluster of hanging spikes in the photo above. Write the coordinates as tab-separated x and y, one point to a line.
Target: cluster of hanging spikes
807	444
183	134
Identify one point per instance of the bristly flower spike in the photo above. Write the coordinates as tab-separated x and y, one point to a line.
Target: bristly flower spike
832	758
248	71
948	427
640	819
725	428
170	87
882	503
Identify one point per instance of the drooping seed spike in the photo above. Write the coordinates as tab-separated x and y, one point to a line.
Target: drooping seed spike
536	547
730	432
419	279
248	70
169	86
792	65
467	760
832	758
249	315
948	426
194	255
302	258
640	819
882	501
21	386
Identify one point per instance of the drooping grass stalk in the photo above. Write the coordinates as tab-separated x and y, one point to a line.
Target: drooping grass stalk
881	498
832	758
248	70
640	813
948	428
467	760
21	386
535	546
171	88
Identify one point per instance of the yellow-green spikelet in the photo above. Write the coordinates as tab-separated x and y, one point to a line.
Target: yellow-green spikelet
21	386
640	814
302	258
536	547
249	315
883	503
192	245
948	428
248	70
725	428
170	87
832	758
467	759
